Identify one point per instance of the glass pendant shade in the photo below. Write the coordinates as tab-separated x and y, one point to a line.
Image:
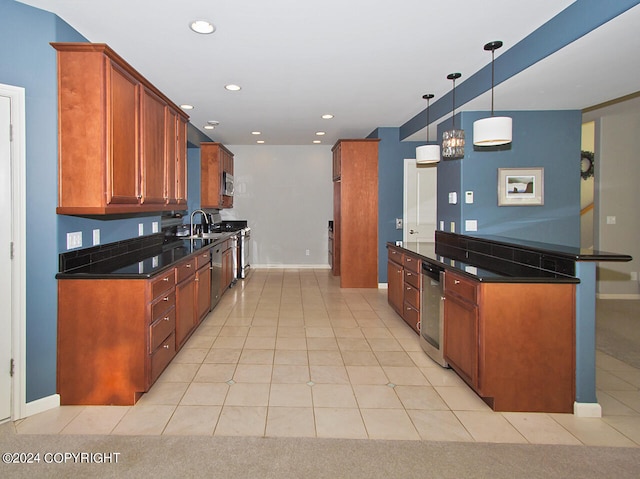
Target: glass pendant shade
492	131
427	154
453	144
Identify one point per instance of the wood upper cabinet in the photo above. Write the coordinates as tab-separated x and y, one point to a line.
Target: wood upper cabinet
112	135
215	160
355	213
176	161
153	164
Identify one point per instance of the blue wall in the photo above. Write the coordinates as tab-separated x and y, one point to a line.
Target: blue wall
391	155
29	61
550	139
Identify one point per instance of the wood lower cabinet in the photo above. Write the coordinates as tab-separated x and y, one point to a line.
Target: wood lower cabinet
115	136
355	213
513	343
115	337
404	286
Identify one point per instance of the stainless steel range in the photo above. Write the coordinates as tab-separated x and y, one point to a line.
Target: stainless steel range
243	245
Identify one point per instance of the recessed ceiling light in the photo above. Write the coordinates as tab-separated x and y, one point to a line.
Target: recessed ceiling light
232	87
317	141
328	116
186	107
213	122
260	141
256	133
208	127
320	133
202	26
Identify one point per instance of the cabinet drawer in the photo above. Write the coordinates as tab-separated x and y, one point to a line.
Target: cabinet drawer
412	296
203	258
186	269
161	328
412	278
463	287
395	256
163	283
162	356
411	263
163	304
411	316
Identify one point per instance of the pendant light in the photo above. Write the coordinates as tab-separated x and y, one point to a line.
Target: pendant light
495	130
453	140
427	154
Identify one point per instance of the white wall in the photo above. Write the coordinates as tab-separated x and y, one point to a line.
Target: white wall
286	195
617	177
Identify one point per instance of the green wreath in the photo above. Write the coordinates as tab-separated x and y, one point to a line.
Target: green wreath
586	164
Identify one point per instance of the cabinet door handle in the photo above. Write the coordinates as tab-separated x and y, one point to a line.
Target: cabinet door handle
456	281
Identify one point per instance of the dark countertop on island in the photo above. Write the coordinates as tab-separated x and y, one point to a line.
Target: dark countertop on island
136	258
500	259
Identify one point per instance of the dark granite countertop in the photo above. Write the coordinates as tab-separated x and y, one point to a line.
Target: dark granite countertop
132	259
500	259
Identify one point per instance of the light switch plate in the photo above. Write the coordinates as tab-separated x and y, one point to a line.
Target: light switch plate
468	197
453	198
398	223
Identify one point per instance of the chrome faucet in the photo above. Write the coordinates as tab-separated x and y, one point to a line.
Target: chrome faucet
206	220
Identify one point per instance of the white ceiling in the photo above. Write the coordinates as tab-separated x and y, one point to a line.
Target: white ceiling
367	62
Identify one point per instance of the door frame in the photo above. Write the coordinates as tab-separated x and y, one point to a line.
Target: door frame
18	268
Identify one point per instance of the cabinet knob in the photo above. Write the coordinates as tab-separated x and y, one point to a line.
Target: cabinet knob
166	298
188	265
166	346
166	279
456	281
166	318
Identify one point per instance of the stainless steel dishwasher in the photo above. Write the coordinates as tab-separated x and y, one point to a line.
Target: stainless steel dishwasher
216	274
432	312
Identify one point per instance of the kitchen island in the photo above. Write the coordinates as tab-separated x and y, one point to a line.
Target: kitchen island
519	319
126	308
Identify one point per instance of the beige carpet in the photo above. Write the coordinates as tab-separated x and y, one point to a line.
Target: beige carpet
618	329
265	458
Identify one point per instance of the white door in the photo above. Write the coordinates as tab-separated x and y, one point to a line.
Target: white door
5	257
419	212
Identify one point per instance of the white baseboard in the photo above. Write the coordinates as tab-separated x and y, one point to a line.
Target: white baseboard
41	405
587	409
630	296
290	266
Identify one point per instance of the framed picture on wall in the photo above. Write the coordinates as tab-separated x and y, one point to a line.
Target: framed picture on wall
520	186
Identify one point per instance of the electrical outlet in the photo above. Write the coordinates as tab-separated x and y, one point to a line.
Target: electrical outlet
611	220
471	225
74	240
96	237
140	229
154	227
306	252
453	226
398	223
634	276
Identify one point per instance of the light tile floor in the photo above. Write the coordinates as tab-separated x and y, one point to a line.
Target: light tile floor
289	353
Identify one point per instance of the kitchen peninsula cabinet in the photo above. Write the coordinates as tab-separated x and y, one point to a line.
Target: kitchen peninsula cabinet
116	135
215	161
355	213
404	286
513	343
